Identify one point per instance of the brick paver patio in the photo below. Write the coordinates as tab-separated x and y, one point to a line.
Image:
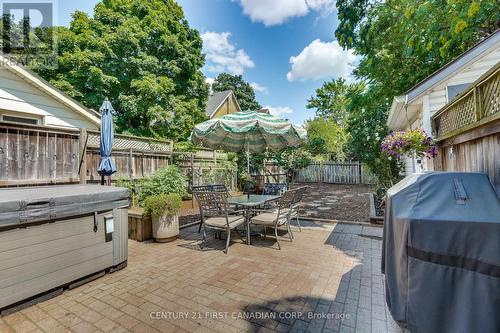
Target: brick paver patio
327	280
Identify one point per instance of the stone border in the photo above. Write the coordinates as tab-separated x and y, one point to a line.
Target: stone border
366	224
374	218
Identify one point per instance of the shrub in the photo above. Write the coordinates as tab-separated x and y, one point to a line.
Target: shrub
166	180
223	173
125	183
163	204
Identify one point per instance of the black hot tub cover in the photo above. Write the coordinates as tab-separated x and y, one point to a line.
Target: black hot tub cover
441	253
37	204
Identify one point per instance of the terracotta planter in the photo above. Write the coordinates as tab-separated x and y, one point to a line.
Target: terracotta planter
165	228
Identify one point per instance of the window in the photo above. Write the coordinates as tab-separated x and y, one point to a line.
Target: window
453	91
20	120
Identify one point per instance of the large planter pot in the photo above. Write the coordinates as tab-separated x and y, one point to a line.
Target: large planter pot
165	228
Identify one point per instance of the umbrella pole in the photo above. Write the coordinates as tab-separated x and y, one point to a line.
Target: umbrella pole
248	169
248	159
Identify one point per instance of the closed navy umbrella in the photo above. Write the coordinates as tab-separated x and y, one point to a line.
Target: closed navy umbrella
106	165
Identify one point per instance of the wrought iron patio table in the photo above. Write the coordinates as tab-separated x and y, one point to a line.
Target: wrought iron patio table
249	202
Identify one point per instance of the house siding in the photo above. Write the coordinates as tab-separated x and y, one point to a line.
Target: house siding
18	97
476	69
469	74
228	107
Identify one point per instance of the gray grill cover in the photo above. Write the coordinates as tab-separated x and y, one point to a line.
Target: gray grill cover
441	253
19	206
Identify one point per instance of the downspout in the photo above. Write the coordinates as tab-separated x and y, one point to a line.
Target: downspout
413	160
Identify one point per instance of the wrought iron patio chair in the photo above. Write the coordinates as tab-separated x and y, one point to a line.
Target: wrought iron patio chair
210	188
278	217
297	200
216	215
274	188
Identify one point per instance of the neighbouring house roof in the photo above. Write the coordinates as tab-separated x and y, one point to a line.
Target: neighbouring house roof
52	91
215	101
441	74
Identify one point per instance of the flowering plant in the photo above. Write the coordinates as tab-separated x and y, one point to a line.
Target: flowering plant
411	142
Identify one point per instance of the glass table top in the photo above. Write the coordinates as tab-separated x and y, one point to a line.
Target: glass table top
253	200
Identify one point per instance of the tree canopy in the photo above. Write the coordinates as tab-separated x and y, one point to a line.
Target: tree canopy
326	137
242	89
332	99
143	56
399	43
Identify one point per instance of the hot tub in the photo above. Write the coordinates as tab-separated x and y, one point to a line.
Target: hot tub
51	237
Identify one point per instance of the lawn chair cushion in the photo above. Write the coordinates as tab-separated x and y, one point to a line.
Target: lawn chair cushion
220	222
269	218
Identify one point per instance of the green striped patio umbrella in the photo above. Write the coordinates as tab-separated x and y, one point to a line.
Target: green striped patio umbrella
248	130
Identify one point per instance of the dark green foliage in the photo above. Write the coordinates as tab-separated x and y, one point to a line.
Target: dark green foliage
163	205
166	180
242	89
400	42
333	98
143	56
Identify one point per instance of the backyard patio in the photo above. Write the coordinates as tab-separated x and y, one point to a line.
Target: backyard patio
327	280
337	202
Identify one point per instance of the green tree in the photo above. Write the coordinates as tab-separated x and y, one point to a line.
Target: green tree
292	159
242	89
400	42
332	99
143	56
326	137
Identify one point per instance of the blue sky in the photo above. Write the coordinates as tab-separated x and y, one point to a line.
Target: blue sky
285	48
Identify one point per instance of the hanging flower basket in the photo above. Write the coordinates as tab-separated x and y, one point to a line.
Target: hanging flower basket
409	143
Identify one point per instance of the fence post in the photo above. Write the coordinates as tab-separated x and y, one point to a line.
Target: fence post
82	145
131	164
360	173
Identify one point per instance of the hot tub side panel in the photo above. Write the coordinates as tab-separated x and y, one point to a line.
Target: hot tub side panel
38	258
120	236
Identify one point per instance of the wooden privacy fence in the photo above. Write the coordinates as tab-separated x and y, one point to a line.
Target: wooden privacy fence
134	157
205	167
335	173
30	156
34	155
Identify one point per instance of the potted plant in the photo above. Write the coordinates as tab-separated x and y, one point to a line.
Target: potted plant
164	210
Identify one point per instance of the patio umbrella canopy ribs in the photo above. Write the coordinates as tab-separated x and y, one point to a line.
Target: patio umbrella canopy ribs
58	236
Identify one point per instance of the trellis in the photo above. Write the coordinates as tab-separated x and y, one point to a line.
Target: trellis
476	106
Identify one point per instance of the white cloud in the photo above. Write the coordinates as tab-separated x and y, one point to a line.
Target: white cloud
279	110
259	88
326	7
222	56
209	80
320	60
273	12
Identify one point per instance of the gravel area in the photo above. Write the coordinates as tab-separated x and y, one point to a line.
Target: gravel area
322	201
337	202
